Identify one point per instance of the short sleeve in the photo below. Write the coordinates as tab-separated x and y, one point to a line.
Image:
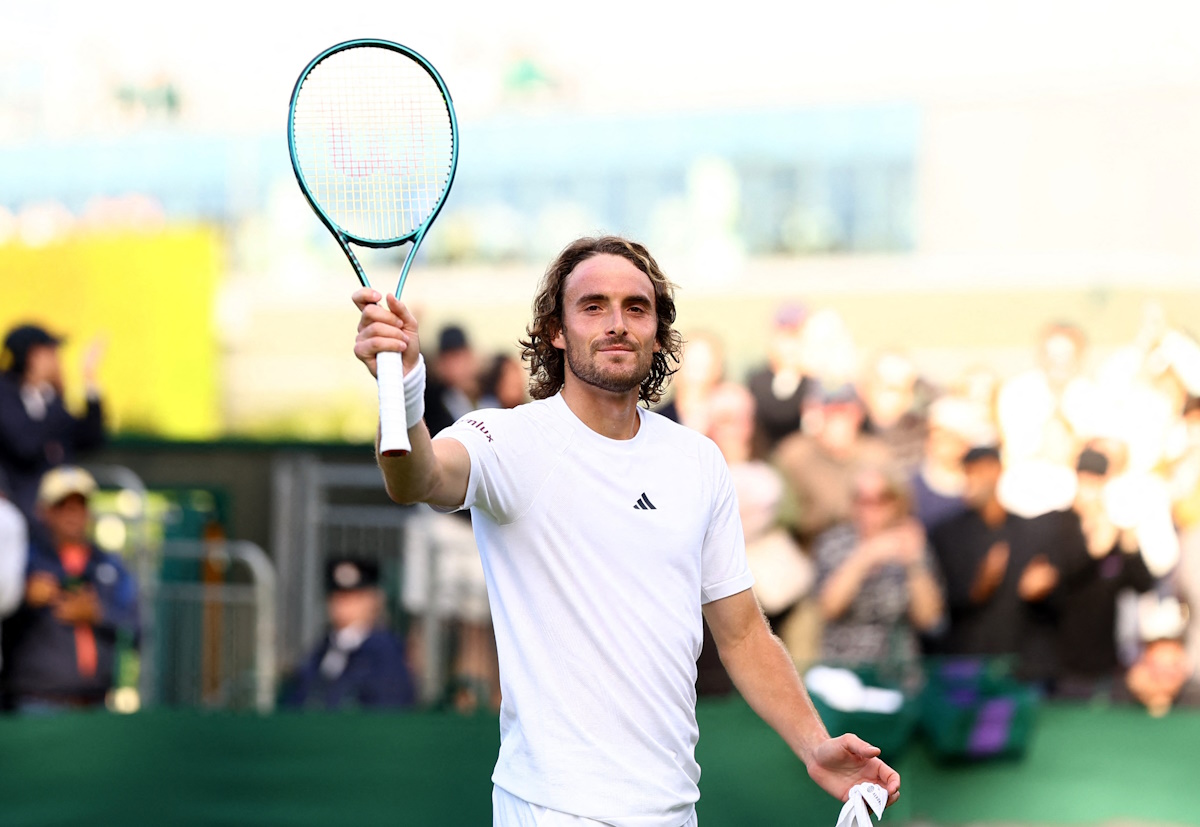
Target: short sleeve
724	568
472	433
502	445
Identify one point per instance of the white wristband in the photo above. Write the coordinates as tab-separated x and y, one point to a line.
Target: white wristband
414	393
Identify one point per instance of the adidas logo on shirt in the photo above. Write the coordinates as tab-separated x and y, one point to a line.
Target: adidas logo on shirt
644	503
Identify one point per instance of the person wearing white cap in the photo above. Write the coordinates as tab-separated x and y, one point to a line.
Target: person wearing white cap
60	646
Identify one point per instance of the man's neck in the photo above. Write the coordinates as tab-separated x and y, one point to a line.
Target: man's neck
349	638
612	415
62	541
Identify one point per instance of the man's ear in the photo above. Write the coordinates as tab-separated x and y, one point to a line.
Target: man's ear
558	339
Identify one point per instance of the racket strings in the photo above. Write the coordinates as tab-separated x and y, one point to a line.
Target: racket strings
374	141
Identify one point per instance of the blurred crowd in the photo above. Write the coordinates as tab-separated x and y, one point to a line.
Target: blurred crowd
1050	518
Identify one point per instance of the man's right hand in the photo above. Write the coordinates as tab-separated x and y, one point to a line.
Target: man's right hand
384	327
991	572
41	589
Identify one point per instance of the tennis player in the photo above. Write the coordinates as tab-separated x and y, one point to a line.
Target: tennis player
606	531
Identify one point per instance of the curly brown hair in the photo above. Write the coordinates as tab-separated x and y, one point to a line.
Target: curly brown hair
547	364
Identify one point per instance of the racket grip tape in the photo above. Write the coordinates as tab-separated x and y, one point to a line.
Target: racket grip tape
397	413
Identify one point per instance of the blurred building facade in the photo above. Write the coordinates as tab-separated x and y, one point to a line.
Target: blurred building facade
947	219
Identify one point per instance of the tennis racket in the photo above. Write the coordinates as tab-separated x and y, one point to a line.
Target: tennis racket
374	145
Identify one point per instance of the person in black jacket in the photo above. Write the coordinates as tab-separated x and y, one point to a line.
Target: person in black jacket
1108	561
37	432
1002	575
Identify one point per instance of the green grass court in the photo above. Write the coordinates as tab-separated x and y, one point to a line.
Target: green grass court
1084	765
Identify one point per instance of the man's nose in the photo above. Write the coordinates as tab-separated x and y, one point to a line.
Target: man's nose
616	323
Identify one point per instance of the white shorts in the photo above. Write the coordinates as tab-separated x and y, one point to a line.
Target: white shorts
510	811
447	544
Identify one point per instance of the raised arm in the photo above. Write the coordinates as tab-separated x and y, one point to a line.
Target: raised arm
765	676
432	472
88	432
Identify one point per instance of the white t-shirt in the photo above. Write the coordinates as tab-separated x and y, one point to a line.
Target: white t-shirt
14	547
598	555
14	550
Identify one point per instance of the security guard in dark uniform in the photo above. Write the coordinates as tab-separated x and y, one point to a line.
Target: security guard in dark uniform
358	663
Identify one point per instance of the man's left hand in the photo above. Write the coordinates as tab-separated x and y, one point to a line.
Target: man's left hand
837	764
1039	578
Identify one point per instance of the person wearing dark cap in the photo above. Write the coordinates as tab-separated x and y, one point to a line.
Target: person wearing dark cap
1002	573
80	602
452	383
37	432
1107	561
358	663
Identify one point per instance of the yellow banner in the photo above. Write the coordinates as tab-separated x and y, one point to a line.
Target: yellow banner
149	298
